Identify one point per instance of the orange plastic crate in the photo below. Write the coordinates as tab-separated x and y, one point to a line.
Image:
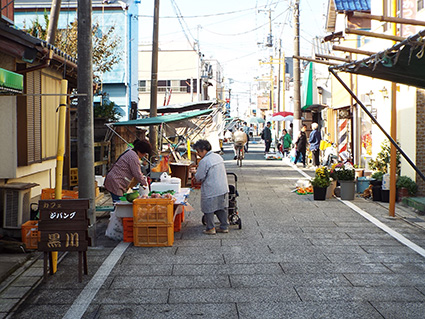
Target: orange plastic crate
178	221
30	234
153	211
127	223
153	236
49	193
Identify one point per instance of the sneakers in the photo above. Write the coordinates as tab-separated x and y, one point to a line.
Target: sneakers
209	231
220	230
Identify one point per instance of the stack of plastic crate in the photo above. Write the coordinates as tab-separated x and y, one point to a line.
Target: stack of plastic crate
153	222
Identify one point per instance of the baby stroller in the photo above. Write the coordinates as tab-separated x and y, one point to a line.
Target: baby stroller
232	210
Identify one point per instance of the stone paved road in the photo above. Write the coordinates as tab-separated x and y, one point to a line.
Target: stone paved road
294	258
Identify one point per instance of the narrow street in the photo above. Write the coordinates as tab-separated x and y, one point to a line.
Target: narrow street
293	258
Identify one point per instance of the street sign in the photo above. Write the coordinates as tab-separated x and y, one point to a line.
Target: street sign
64	226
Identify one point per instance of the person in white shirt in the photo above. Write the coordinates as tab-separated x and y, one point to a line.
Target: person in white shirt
239	140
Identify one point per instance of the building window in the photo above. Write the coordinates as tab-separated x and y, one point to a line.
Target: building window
420	5
29	120
142	85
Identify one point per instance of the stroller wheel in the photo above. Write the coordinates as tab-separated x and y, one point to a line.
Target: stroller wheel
204	221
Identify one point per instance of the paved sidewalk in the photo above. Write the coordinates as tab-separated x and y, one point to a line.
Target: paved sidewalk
294	258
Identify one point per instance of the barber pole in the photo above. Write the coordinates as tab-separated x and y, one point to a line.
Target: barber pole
342	135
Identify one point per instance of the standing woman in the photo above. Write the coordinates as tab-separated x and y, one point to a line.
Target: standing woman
314	140
286	141
126	168
214	189
301	145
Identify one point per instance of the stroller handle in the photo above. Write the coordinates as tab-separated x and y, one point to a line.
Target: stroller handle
234	175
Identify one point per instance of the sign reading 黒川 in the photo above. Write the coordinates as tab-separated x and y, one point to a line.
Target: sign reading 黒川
64	226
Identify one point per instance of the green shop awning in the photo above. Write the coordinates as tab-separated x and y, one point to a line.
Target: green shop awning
11	82
307	88
164	118
403	63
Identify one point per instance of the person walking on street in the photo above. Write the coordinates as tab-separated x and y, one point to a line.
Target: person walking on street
286	141
314	140
246	131
266	135
301	145
211	172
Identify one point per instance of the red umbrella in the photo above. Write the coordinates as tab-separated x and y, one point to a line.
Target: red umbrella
283	113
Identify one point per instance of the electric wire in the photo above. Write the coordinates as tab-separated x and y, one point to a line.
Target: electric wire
246	32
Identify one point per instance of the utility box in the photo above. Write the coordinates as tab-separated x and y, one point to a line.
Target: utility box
16	199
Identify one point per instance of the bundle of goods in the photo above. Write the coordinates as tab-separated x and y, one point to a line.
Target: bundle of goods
273	156
130	197
304	190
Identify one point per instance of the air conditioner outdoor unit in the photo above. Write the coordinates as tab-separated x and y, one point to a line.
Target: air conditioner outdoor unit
16	204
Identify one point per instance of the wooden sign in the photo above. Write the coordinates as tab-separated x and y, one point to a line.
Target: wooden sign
63	226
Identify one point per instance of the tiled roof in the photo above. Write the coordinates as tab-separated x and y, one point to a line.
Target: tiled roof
352	5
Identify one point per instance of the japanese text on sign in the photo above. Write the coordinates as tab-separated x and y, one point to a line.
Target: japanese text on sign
72	240
62	215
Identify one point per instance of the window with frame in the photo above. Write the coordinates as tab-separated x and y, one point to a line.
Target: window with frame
29	119
419	5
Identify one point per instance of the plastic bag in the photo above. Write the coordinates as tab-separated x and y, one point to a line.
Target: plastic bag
115	229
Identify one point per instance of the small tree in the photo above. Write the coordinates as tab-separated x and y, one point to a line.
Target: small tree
105	44
380	163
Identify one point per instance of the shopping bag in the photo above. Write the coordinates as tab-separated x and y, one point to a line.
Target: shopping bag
115	230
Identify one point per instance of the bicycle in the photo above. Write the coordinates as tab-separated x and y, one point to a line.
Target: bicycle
239	154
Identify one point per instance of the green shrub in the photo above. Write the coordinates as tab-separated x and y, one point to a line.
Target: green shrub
407	182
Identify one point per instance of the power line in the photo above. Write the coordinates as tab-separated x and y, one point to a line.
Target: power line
206	15
249	31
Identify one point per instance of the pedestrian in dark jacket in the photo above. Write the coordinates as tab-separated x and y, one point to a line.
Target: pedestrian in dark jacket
266	135
314	140
301	145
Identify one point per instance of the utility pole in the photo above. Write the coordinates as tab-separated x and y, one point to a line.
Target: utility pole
53	21
297	95
85	110
153	136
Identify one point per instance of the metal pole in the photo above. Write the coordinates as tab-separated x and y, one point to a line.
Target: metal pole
393	142
85	110
53	21
297	94
153	136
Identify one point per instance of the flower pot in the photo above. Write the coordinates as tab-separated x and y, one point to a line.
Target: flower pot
374	182
376	193
402	193
347	190
385	195
319	193
331	189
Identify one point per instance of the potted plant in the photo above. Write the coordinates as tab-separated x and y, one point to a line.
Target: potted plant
405	187
376	183
345	175
320	183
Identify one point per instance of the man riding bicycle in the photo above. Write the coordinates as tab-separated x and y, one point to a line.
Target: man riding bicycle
239	141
